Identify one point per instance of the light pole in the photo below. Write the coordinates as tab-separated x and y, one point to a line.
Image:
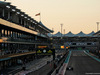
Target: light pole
64	32
52	32
97	26
61	30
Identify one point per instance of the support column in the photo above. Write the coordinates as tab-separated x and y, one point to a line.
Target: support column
0	32
21	21
3	13
0	48
24	23
35	37
7	33
10	33
4	33
8	15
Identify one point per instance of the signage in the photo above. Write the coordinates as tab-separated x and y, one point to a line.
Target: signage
50	51
79	48
66	47
80	43
42	46
39	51
62	46
1	40
45	51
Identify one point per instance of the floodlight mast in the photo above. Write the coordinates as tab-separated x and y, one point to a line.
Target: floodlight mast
61	30
97	26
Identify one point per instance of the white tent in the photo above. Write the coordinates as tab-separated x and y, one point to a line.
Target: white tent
81	34
91	34
69	34
58	34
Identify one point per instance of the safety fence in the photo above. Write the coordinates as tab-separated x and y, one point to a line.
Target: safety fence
45	70
50	68
60	64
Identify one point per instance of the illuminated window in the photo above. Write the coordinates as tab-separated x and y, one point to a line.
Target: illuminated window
11	34
8	33
5	32
2	32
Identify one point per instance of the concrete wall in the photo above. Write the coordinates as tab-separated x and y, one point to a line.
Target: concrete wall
44	70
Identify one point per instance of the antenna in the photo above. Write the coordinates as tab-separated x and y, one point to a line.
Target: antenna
61	29
64	31
97	26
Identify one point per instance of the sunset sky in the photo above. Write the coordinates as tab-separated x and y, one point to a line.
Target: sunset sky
75	15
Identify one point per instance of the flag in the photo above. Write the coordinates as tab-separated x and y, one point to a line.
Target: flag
37	14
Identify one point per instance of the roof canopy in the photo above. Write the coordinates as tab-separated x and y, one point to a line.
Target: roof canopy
45	27
70	34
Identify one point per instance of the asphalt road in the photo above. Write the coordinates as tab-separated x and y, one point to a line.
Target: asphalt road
83	64
30	66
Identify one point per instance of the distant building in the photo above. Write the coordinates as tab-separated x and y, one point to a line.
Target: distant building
97	34
76	41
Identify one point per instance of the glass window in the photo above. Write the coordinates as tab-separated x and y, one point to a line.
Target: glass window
18	34
1	11
5	32
2	32
11	34
2	46
6	14
15	34
8	33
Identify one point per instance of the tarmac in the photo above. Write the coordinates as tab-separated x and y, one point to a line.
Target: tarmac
30	66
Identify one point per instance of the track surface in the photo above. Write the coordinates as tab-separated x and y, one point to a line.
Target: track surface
83	64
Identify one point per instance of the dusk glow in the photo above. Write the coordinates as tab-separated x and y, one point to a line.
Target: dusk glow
76	15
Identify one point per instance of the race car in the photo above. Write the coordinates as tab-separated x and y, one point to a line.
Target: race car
69	68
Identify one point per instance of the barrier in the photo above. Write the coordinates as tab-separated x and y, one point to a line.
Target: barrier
60	64
43	70
14	71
